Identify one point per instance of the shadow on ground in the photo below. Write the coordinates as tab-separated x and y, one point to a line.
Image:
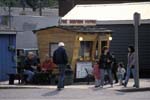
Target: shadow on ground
51	93
19	88
135	90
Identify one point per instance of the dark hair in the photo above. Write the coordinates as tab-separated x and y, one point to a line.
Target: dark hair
121	64
104	48
97	60
132	48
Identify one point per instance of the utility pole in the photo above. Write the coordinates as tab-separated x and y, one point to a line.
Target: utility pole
136	26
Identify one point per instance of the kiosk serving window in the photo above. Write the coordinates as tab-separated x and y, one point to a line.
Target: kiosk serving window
85	51
52	48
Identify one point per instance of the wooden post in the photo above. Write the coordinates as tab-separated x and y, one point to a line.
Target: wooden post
75	52
94	47
108	41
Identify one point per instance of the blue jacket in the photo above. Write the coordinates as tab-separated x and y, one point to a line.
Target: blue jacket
60	56
28	63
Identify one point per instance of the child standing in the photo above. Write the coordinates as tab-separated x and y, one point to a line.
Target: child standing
96	73
121	72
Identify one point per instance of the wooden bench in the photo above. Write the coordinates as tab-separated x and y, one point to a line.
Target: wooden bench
17	76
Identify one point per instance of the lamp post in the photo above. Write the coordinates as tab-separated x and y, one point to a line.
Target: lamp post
136	26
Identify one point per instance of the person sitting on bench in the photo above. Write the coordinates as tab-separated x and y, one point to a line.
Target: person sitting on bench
47	65
30	66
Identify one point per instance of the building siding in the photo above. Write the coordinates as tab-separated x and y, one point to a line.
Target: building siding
144	49
123	36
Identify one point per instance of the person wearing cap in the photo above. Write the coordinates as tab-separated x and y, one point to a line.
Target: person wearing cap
60	59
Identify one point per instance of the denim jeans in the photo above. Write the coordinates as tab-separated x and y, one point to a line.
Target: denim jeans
109	72
129	70
61	75
120	77
30	75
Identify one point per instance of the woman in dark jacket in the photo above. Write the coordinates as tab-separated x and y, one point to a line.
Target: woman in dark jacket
105	65
130	66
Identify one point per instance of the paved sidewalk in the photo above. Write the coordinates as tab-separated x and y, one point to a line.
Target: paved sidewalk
144	83
75	92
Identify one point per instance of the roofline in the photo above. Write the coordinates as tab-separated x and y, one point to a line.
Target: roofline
8	32
34	31
122	3
146	21
114	22
70	14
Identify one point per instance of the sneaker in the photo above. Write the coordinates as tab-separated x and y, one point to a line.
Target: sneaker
134	85
111	86
58	89
116	82
96	86
101	86
125	84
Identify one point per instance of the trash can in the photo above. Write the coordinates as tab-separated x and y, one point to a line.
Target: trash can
68	76
11	79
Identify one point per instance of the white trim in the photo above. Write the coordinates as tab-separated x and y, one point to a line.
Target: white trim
8	32
121	22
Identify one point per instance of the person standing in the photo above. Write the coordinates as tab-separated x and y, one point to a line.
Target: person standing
114	68
131	66
96	73
105	65
60	59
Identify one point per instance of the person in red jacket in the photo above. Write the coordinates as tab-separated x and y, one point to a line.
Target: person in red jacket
96	73
47	65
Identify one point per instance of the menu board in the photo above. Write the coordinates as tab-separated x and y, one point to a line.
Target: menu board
81	69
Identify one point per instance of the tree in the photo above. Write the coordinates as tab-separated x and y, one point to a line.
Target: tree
53	3
33	4
8	3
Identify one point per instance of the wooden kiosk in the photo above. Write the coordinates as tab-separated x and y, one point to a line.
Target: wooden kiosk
82	43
